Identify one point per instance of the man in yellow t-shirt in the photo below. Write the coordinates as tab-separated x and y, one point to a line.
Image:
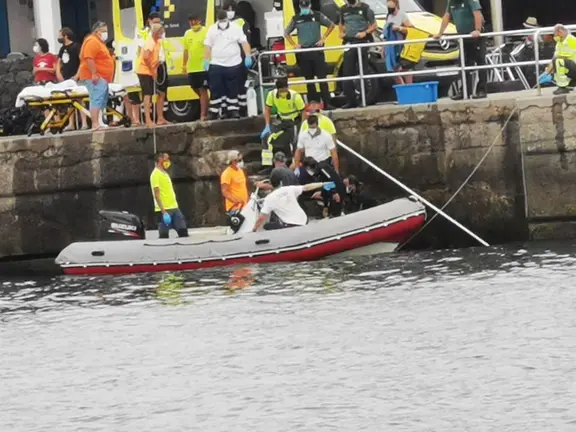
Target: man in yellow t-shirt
194	62
165	204
233	183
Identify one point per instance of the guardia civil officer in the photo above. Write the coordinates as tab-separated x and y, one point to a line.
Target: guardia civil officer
308	25
357	23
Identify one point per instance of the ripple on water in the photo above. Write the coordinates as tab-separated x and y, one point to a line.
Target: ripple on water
479	340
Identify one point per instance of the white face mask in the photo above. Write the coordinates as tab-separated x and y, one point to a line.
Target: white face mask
104	36
312	131
222	25
36	49
310	172
348	189
240	164
230	14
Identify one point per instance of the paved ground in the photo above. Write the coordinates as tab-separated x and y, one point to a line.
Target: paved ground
524	94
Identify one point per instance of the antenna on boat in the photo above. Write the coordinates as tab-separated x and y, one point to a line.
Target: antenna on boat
410	191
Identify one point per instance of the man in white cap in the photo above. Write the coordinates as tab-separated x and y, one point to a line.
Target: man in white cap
233	183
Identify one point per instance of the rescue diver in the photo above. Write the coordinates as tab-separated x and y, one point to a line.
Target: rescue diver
308	25
283	203
357	198
357	23
223	61
564	62
166	208
230	7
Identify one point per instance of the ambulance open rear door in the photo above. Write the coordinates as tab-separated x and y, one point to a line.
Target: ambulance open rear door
128	18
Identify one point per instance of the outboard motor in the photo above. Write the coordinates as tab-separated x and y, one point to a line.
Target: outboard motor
121	225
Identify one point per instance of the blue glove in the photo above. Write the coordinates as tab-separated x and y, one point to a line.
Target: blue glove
248	62
545	78
329	186
167	219
206	64
265	132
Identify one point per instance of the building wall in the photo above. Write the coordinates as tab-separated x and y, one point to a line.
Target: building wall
21	26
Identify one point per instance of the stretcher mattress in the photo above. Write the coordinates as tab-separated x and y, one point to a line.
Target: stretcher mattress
54	91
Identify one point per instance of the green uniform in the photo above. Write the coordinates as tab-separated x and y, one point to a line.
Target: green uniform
308	27
462	13
356	19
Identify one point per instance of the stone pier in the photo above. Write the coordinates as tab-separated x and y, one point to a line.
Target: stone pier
52	187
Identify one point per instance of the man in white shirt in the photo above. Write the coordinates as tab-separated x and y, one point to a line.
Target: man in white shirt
317	144
283	202
223	61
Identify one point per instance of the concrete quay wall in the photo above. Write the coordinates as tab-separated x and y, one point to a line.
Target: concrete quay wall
52	187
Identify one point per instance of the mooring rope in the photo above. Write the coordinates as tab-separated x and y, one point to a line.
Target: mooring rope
498	136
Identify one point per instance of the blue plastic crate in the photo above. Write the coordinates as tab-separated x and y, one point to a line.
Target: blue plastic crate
425	92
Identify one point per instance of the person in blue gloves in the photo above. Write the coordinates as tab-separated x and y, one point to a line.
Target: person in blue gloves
223	61
289	107
281	207
166	208
563	65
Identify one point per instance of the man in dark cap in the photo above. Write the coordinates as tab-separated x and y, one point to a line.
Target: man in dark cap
308	25
281	175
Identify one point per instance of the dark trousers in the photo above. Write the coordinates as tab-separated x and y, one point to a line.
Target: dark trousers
241	78
223	83
178	223
475	54
313	65
350	67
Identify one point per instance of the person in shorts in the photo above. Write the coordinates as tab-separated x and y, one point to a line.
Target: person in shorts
96	71
194	62
147	70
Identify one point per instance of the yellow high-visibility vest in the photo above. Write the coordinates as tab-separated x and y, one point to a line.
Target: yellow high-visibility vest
566	49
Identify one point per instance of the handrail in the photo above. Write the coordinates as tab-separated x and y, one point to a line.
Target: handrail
461	68
537	51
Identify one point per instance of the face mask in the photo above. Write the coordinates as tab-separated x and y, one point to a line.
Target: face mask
312	131
104	36
36	49
283	94
391	10
61	41
348	189
230	14
305	11
240	164
310	172
166	164
557	38
222	25
196	27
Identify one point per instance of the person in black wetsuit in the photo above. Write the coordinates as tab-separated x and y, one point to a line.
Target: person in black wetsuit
333	200
356	197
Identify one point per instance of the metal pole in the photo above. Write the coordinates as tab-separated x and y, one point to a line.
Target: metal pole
537	60
463	65
410	191
262	99
497	20
361	70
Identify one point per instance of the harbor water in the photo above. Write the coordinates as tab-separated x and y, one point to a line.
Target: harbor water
462	340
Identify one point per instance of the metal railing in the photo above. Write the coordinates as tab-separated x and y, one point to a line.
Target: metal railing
461	68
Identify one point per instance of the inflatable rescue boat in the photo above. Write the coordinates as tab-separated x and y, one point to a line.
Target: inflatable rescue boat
378	229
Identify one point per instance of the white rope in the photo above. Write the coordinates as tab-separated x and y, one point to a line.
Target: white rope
498	136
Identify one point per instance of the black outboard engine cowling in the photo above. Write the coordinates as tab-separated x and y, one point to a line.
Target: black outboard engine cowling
120	225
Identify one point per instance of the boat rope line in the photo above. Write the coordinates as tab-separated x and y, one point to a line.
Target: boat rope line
465	182
261	253
410	191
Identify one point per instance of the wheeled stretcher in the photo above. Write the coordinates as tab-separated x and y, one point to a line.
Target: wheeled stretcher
63	100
